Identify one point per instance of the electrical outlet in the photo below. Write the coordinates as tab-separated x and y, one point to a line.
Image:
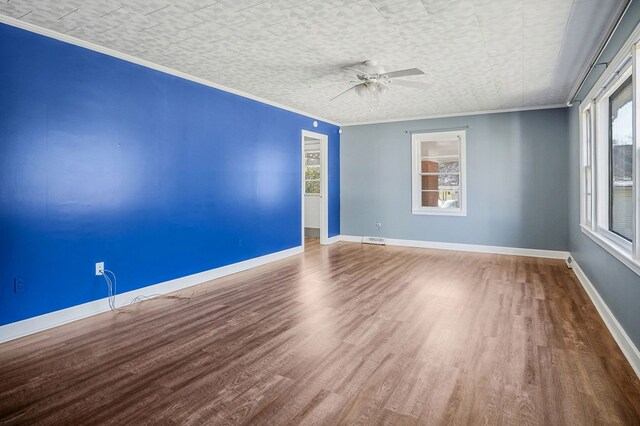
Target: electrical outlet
99	268
18	285
378	225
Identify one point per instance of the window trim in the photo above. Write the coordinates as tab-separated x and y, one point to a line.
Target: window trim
625	64
416	157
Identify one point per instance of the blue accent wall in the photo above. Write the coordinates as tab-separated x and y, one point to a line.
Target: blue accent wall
157	176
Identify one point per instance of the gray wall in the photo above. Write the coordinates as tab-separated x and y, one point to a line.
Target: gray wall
516	180
618	286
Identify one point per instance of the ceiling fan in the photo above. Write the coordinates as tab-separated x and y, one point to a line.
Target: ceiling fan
372	79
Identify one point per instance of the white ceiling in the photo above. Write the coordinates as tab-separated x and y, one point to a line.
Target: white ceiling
478	55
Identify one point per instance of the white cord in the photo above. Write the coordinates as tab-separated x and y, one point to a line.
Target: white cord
112	290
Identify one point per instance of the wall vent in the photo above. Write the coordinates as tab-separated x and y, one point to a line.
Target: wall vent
374	240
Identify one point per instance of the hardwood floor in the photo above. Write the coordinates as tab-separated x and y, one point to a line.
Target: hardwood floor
343	334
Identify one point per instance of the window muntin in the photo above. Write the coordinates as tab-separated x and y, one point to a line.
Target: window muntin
312	172
620	123
438	173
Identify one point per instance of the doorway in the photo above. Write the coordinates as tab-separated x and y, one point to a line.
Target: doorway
314	188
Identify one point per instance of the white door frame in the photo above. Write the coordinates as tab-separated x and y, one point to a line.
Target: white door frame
324	185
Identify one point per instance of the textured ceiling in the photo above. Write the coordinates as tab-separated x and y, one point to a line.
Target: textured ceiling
478	55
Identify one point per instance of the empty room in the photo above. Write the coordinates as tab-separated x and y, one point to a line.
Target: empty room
283	212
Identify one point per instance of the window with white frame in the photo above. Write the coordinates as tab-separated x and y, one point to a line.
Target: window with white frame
609	182
312	172
438	173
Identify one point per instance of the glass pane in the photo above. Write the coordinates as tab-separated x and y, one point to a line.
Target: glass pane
312	187
587	133
444	165
621	157
429	182
440	149
437	182
312	158
446	181
587	180
446	199
587	207
312	173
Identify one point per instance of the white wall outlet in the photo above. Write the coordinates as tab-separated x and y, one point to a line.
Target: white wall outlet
378	225
99	268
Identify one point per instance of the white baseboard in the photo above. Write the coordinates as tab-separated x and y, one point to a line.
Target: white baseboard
551	254
629	350
334	239
63	316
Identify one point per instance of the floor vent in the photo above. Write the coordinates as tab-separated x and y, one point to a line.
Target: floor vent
374	240
569	262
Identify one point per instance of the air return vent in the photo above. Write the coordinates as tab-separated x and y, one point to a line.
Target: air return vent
374	240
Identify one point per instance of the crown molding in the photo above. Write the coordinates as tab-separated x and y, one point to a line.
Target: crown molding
454	114
599	48
148	64
161	68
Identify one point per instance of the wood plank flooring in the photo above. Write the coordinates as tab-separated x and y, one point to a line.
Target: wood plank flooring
343	334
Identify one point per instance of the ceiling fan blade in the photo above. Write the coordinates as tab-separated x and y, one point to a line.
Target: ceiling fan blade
409	83
342	93
354	70
403	73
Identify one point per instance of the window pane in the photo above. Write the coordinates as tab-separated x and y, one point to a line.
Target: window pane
312	158
312	173
448	180
445	198
429	182
440	149
449	166
440	165
621	158
587	133
312	187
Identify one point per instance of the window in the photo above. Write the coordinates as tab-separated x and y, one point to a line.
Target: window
312	172
621	161
609	185
438	177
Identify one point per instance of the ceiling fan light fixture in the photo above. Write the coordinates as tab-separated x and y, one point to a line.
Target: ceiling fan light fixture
372	81
361	90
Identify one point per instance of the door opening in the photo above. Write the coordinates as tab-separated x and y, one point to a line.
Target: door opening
314	188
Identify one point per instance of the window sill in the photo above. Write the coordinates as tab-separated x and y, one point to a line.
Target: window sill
312	195
442	212
614	249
